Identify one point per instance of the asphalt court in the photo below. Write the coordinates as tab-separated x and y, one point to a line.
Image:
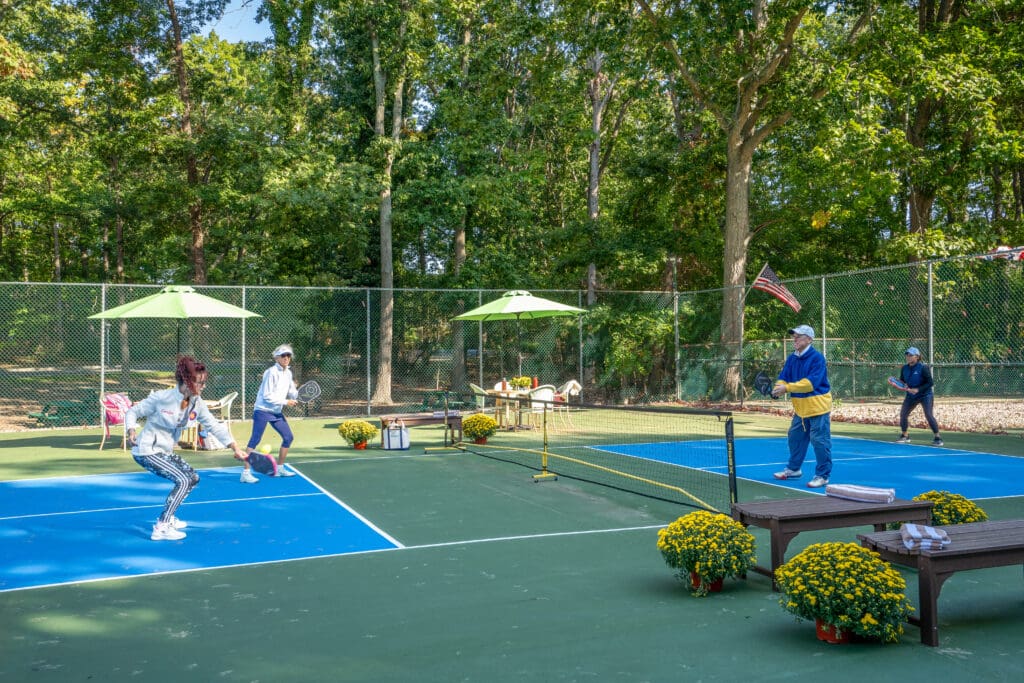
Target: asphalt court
71	529
911	469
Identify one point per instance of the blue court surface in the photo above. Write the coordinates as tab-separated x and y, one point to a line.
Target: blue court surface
910	469
70	529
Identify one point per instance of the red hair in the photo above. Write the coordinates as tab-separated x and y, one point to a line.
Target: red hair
190	372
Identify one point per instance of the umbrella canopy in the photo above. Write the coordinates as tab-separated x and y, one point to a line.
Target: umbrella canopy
176	302
519	305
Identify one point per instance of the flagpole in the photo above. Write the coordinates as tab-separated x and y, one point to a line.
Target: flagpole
748	289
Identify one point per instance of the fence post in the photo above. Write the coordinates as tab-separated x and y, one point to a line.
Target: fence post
369	342
931	318
824	345
103	342
675	330
244	413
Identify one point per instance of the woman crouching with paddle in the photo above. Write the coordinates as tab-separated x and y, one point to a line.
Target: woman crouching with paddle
166	413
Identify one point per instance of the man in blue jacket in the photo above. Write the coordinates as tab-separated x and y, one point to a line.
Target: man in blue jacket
805	378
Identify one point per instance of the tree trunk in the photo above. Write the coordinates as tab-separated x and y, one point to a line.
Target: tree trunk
197	248
734	263
382	392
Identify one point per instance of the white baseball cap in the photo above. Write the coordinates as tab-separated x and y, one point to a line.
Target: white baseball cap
806	330
283	349
913	351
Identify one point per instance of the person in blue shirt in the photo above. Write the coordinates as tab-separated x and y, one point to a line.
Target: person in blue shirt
805	377
918	378
277	390
166	413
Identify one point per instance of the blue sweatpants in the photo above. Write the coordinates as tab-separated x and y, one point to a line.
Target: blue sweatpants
814	431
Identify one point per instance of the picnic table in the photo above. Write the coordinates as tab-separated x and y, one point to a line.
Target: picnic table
978	545
66	413
787	518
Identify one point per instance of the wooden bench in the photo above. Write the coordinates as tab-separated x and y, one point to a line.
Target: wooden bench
787	518
453	422
972	546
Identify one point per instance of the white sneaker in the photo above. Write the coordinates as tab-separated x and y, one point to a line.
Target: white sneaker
248	477
282	472
178	524
788	474
164	531
817	483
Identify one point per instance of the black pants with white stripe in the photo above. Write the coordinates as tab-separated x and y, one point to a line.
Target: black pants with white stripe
173	467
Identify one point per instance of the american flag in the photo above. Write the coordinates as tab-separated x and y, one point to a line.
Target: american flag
768	281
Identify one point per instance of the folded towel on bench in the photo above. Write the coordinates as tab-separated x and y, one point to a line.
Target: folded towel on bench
921	537
864	494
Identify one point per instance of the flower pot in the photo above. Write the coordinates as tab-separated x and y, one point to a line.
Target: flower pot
480	440
831	634
359	446
712	586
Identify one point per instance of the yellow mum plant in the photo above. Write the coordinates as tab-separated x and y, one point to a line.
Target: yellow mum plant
952	508
357	431
709	544
479	426
846	586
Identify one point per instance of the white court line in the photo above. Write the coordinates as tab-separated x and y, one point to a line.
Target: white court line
426	546
156	506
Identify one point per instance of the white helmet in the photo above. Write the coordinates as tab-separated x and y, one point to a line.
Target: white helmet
283	349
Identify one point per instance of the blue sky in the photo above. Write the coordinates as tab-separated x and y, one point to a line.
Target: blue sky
239	23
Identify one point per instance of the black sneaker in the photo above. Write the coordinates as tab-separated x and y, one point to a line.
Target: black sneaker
937	441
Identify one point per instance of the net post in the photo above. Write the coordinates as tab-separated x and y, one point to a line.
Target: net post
544	475
730	449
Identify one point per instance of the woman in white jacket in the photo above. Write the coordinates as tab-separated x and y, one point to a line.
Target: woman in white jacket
166	413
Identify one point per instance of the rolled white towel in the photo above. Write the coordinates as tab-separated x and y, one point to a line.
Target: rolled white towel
864	494
921	537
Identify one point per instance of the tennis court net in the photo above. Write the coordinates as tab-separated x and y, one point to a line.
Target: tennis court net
676	454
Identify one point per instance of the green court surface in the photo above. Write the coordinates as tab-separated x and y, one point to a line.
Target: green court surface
500	579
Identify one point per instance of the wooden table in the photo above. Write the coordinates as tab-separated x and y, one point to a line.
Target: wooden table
514	400
972	546
787	518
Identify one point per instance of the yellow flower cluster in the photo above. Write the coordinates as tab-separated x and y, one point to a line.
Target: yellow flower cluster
357	431
709	544
479	425
848	587
952	508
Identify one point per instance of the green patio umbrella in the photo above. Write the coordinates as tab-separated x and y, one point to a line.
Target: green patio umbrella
178	302
519	305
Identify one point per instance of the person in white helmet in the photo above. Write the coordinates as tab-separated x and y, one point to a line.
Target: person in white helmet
277	390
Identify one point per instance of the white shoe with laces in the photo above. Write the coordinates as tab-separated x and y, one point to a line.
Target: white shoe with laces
164	531
788	474
817	482
178	524
282	472
248	477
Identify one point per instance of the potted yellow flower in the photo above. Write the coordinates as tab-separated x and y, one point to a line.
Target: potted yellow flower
845	589
478	427
705	547
952	508
357	432
523	382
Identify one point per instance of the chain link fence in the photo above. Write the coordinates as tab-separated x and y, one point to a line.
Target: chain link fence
631	347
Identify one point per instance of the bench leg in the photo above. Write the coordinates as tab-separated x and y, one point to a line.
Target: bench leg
929	584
